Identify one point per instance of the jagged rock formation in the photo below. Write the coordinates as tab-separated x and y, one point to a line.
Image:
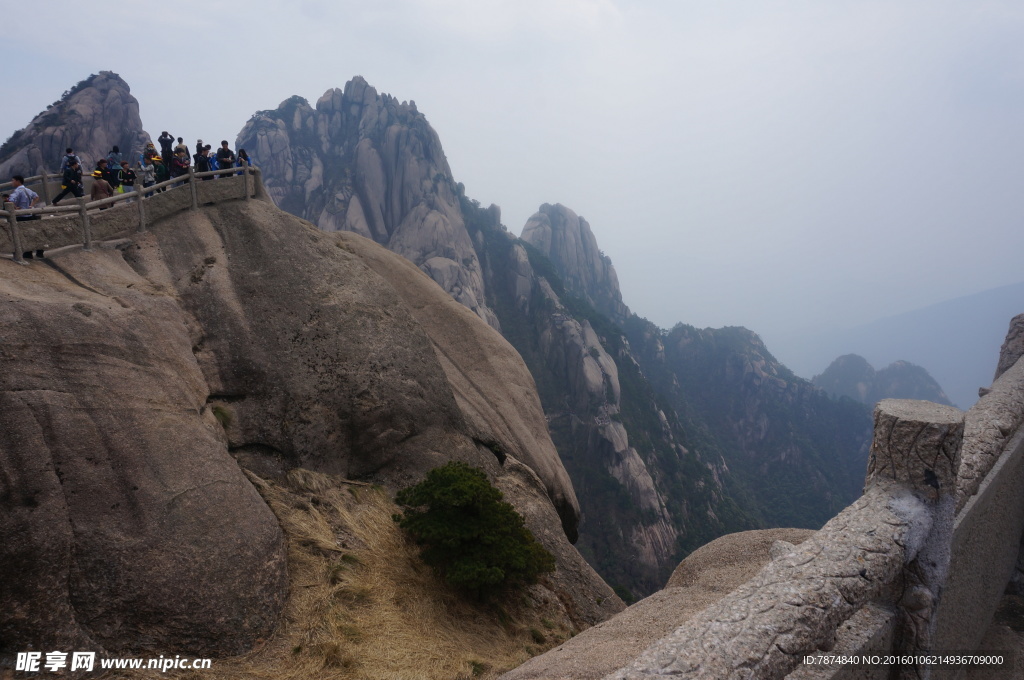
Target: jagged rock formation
566	239
647	491
93	116
852	376
138	381
370	164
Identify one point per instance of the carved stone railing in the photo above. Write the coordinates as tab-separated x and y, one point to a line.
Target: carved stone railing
88	221
918	564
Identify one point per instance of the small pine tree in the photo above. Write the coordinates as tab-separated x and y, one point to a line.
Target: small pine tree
472	537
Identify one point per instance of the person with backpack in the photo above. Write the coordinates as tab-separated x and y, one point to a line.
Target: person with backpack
69	155
72	181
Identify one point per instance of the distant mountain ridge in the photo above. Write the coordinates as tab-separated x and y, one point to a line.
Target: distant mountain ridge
955	340
852	376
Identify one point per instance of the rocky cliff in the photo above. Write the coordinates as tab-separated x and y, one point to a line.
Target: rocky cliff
93	116
367	163
566	239
139	381
852	376
799	454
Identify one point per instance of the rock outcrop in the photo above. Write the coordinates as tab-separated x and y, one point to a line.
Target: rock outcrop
139	381
852	376
1013	346
93	116
369	164
566	239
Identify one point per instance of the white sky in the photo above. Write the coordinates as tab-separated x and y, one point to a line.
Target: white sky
772	164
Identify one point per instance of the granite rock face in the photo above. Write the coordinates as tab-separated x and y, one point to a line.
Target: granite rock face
95	115
139	381
1013	346
367	163
567	240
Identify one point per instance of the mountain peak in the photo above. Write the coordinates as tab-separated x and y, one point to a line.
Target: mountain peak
567	240
96	114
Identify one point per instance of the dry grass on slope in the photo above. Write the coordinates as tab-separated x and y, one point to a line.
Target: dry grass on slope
363	606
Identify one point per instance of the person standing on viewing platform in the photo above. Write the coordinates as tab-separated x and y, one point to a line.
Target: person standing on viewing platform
106	172
24	198
162	172
126	178
179	164
101	188
166	141
114	159
72	181
180	146
225	156
202	159
69	155
148	169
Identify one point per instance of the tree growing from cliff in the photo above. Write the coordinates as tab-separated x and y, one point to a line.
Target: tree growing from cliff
472	537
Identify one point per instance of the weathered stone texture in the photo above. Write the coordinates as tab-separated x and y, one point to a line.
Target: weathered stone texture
566	238
369	164
134	378
917	443
794	605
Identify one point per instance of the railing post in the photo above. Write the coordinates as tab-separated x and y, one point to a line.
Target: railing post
45	187
83	212
917	445
246	181
141	197
193	188
12	223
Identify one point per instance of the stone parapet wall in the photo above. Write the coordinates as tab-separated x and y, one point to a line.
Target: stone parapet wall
122	215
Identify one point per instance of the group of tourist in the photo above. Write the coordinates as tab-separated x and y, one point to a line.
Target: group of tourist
114	173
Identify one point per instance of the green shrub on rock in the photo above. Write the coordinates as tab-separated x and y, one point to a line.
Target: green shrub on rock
472	537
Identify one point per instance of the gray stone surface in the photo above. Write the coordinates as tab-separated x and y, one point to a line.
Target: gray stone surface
367	163
703	578
1013	346
567	240
135	376
988	426
917	443
983	555
795	604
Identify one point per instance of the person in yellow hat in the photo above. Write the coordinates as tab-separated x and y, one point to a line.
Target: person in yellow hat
101	188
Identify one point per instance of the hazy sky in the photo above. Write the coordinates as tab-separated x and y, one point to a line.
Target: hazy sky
775	165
